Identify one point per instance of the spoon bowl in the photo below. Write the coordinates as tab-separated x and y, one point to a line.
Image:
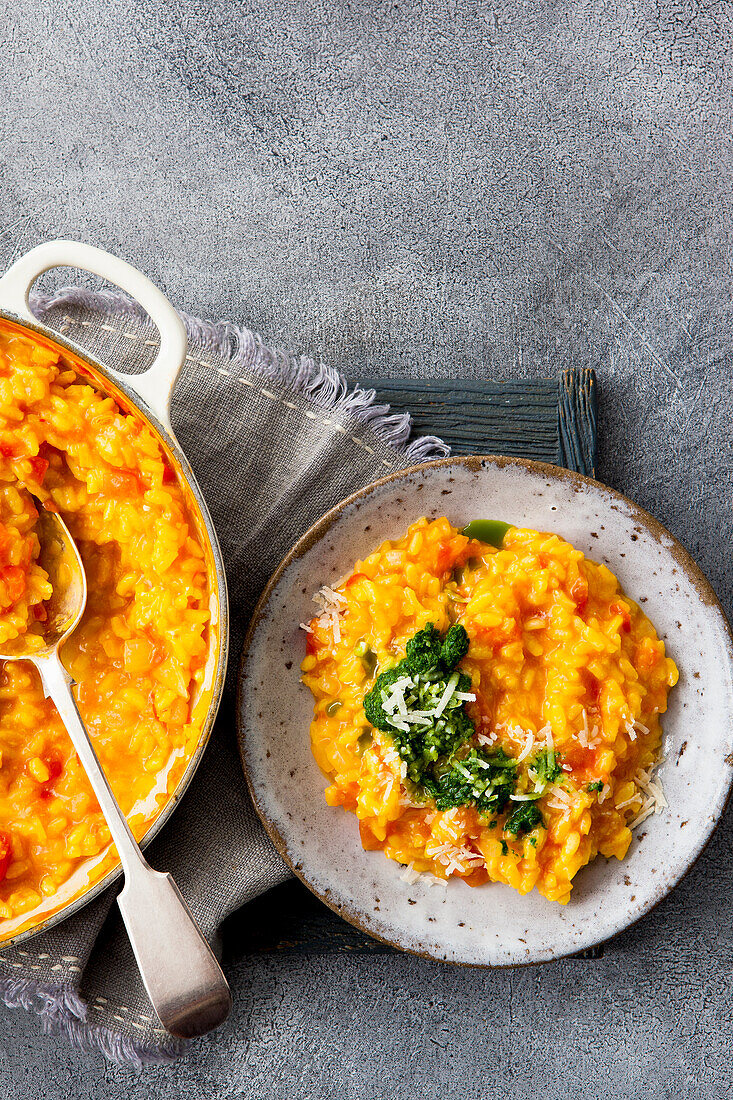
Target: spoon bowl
179	970
60	558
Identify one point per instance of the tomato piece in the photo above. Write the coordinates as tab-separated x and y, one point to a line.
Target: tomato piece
39	466
15	581
647	655
449	554
55	767
510	630
311	645
39	612
477	877
9	450
584	762
354	578
26	555
442	559
122	483
6	854
168	474
579	593
592	688
622	610
411	827
369	842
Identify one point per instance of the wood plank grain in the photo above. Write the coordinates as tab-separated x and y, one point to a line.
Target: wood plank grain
509	418
577	420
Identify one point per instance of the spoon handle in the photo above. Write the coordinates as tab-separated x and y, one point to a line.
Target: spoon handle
179	970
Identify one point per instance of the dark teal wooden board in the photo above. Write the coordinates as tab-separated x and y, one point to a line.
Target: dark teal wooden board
553	420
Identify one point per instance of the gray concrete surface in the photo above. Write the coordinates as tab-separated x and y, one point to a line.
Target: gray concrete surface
449	188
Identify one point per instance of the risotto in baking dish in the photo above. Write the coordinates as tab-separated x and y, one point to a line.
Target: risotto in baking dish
141	647
487	702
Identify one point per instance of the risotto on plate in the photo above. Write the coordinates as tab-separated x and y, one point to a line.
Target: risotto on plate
141	647
487	702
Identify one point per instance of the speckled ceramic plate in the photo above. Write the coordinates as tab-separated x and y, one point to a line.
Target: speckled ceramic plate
491	925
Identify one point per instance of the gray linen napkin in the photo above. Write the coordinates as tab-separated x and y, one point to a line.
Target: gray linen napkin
274	442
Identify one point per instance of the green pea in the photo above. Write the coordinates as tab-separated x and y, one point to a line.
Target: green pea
365	740
333	707
366	654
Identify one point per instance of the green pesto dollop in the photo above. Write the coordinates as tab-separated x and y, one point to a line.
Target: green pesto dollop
421	703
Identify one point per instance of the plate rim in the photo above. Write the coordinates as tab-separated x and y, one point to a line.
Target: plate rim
318	530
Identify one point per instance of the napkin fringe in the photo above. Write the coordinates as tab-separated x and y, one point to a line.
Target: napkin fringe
302	376
63	1012
117	1048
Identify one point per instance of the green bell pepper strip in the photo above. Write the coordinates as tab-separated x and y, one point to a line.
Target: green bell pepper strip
487	530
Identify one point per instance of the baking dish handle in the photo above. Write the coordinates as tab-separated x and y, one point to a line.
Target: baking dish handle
155	386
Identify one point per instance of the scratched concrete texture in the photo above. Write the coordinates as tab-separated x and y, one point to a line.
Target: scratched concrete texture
457	189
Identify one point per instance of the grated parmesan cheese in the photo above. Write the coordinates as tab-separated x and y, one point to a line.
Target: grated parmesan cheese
395	698
330	605
604	793
636	797
646	811
486	738
546	732
410	875
418	717
528	746
455	858
433	880
445	698
655	800
583	734
329	596
652	788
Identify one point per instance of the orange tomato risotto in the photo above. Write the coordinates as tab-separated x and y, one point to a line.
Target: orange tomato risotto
487	712
140	649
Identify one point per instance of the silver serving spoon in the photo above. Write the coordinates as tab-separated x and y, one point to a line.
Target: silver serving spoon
180	972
